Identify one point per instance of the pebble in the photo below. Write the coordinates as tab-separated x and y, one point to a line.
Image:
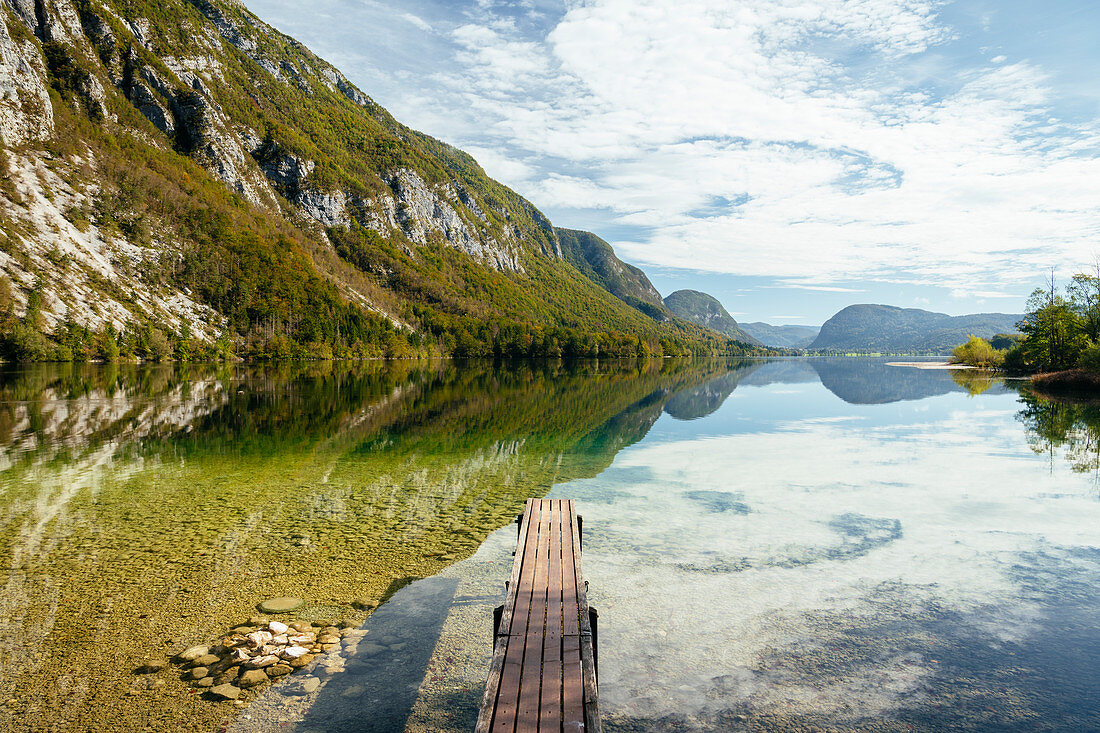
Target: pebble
193	653
257	621
206	660
365	604
258	662
353	691
252	677
205	682
302	661
150	668
226	692
301	626
283	604
279	670
346	624
306	686
328	639
227	677
197	673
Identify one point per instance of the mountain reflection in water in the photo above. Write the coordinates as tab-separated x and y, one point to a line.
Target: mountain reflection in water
786	544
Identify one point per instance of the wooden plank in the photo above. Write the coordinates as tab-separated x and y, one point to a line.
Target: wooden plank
504	702
517	568
570	550
492	687
500	646
550	706
572	701
588	662
527	718
517	623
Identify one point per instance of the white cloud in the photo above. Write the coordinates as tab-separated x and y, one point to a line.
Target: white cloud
734	137
416	21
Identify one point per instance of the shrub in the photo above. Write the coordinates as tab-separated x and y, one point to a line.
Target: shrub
1090	358
979	353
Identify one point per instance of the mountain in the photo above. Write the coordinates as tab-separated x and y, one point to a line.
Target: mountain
785	337
886	328
178	178
705	310
596	260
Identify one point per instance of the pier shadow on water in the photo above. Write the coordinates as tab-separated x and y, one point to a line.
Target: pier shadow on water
378	685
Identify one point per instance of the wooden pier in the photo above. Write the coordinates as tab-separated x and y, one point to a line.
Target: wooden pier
543	674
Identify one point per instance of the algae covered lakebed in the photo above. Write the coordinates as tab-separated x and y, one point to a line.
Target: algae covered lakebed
146	509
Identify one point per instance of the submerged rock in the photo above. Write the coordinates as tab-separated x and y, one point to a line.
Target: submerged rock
190	655
305	686
206	660
284	604
226	692
279	670
252	677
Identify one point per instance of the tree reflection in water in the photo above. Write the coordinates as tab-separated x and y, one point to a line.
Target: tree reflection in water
1067	424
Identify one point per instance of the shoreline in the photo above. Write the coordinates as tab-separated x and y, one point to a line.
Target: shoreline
941	365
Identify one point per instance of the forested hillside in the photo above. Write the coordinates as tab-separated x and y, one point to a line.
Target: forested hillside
886	328
707	311
788	336
179	180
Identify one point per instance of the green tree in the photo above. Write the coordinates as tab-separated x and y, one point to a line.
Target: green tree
1084	296
1053	333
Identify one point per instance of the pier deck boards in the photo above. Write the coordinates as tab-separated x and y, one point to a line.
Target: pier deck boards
543	675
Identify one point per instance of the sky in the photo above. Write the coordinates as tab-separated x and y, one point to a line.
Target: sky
789	157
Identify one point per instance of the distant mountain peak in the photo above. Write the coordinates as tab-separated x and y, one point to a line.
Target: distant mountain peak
706	310
889	328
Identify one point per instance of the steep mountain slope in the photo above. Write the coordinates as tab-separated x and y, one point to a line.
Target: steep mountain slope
784	337
705	310
178	177
597	261
869	327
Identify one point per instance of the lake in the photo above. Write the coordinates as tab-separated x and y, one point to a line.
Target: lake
801	544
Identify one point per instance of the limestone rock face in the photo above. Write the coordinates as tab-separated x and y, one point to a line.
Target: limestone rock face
148	104
204	133
419	210
289	173
25	110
